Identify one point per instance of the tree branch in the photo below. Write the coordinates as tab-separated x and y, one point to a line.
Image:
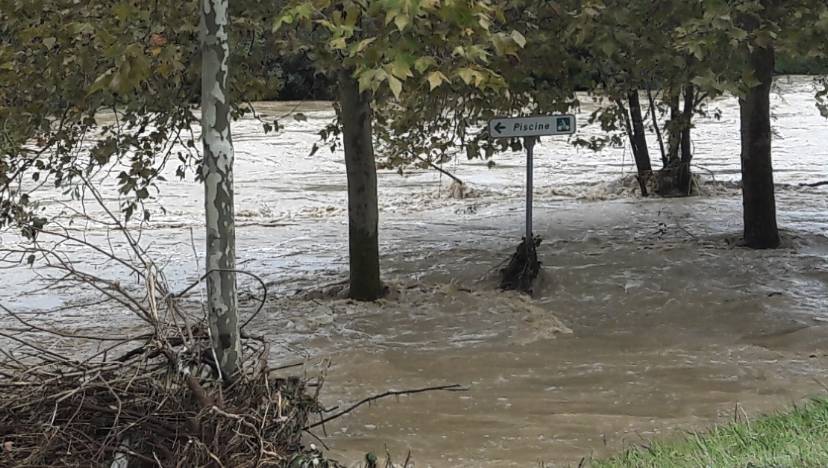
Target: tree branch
448	388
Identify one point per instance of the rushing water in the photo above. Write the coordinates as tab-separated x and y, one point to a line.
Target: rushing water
648	320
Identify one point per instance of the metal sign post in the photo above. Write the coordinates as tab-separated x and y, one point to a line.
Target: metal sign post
524	266
529	144
530	128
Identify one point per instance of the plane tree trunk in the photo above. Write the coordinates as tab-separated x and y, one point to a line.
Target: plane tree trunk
363	213
217	172
760	228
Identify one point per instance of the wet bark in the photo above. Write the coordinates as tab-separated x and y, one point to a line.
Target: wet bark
656	127
684	175
642	153
217	172
761	231
363	213
676	178
634	123
674	128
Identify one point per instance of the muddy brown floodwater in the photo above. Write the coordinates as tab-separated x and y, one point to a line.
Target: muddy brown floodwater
632	335
648	320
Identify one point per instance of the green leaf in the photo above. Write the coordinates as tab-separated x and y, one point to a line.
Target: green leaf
608	47
362	45
424	63
370	79
395	85
519	39
435	79
470	76
389	17
338	44
101	83
123	11
401	21
287	18
400	68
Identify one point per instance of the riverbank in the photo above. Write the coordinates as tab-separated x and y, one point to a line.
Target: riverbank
798	437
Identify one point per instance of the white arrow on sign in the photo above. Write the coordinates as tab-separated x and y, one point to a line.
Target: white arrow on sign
532	126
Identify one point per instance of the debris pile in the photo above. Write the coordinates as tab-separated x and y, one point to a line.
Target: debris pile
157	402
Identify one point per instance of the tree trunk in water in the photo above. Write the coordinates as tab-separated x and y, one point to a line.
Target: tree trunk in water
654	113
674	130
684	176
217	172
363	214
761	231
639	143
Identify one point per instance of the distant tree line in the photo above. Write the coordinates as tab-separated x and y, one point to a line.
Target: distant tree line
789	64
301	82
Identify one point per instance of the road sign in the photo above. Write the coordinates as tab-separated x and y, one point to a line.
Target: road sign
532	126
529	128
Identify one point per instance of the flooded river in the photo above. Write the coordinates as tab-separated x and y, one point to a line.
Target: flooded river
648	320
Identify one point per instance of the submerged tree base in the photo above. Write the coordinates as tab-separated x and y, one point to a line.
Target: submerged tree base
523	267
674	182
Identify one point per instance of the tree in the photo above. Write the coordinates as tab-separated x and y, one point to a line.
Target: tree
363	211
761	231
380	53
634	125
632	49
60	64
217	173
736	44
615	39
537	72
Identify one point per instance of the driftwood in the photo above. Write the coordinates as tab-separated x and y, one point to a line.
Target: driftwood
815	184
448	388
161	406
439	169
523	267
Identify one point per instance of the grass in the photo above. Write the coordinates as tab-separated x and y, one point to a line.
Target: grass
798	438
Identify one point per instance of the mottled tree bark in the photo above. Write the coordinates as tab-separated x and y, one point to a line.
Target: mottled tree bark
217	172
363	213
758	197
